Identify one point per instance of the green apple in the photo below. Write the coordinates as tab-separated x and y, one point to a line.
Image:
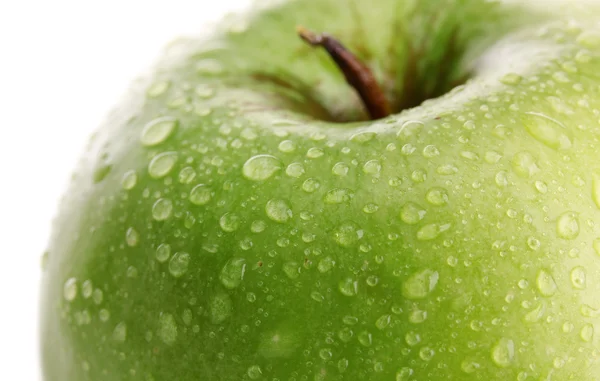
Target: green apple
240	217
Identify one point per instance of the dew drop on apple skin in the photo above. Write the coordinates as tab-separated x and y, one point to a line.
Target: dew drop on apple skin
129	180
254	372
70	289
200	195
120	332
578	278
412	213
347	234
547	130
261	167
340	169
587	333
162	209
167	328
545	283
567	226
278	210
295	170
187	175
229	222
132	237
232	273
158	130
162	164
338	196
178	265
503	353
420	284
163	252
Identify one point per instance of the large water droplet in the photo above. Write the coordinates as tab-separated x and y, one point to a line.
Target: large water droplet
412	213
536	314
420	284
278	210
348	287
162	209
340	169
365	338
129	180
158	130
578	277
229	222
338	196
587	333
426	353
254	372
200	195
163	252
167	328
292	269
437	196
567	225
503	353
162	164
261	167
372	167
325	264
178	265
295	170
511	79
232	273
120	332
70	289
311	185
220	307
547	130
347	234
545	283
431	231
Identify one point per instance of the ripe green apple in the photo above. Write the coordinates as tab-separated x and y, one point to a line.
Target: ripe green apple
240	217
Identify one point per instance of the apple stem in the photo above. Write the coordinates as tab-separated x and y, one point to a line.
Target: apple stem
357	74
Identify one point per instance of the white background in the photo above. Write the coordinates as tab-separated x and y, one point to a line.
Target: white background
63	64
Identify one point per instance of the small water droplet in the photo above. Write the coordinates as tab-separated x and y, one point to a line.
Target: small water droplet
404	374
525	164
295	170
338	196
431	151
220	308
348	287
383	321
536	314
420	284
545	283
345	334
340	169
229	222
232	273
578	277
187	175
158	130
503	353
347	234
261	167
426	353
70	289
167	328
311	185
132	237
567	225
178	265
162	164
372	167
412	338
511	79
101	172
163	252
417	316
365	338
587	333
278	210
314	153
363	137
325	264
287	146
120	332
292	269
254	372
200	195
129	180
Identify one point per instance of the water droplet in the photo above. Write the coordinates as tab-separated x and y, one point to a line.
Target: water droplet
372	167
311	185
167	328
200	195
70	289
370	208
120	332
342	365
104	315
409	129
158	130
426	353
187	175
287	146
511	79
132	237
363	137
587	333
129	180
437	196
178	265
162	209
420	284
163	252
292	270
578	278
524	164
412	213
254	372
347	234
567	225
536	314
412	338
97	296
404	374
431	231
325	265
345	334
232	273
469	366
279	343
157	89
317	296
417	316
340	169
348	287
278	210
365	338
314	153
503	353
101	172
261	167
431	151
446	170
220	308
383	321
350	320
162	164
547	130
545	283
338	196
596	189
295	170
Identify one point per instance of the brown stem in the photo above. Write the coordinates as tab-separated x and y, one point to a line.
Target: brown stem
357	74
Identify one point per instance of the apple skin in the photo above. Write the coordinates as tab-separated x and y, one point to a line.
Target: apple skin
220	228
